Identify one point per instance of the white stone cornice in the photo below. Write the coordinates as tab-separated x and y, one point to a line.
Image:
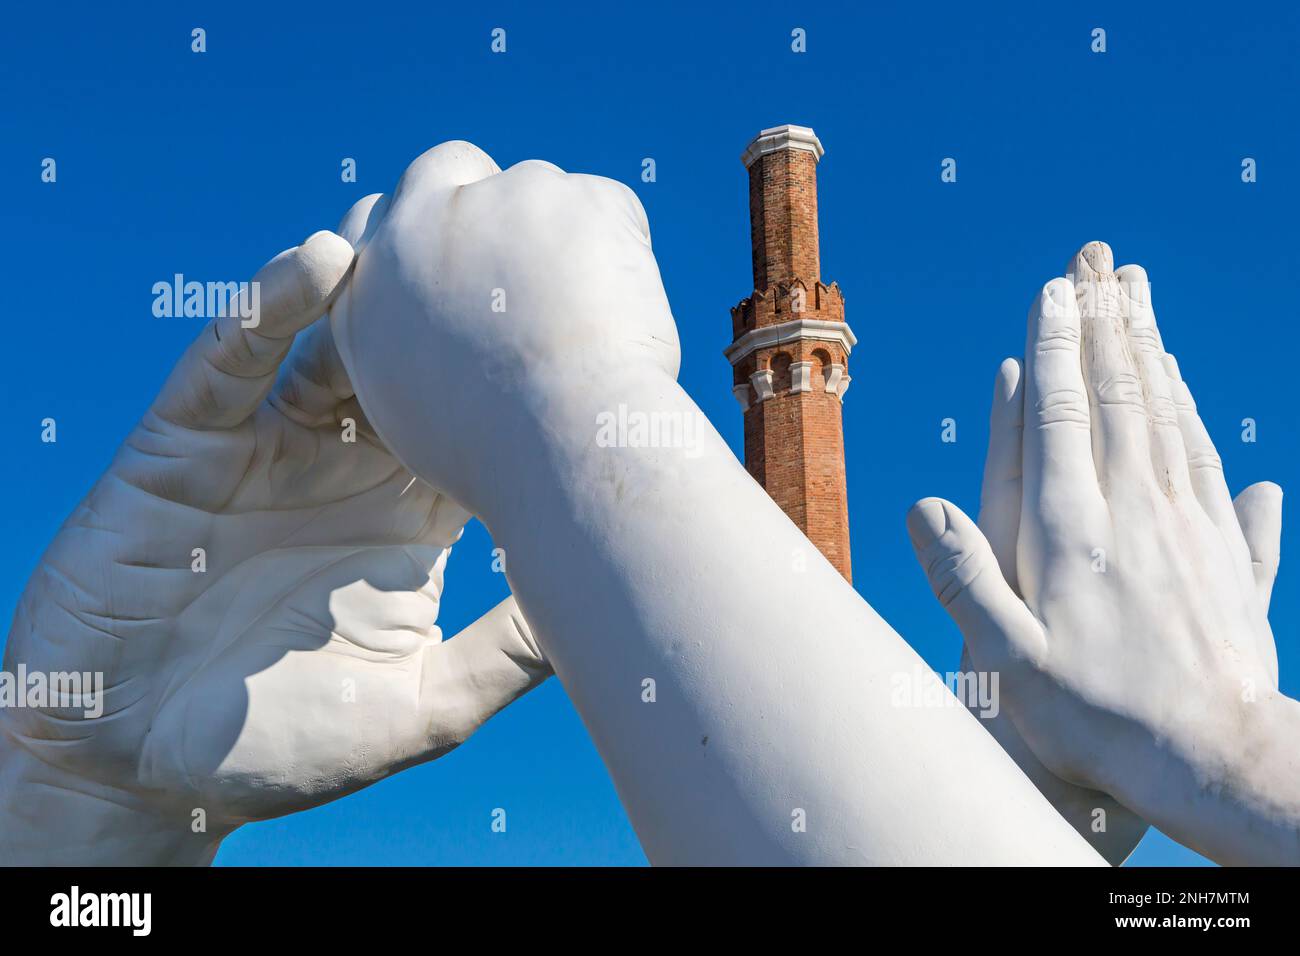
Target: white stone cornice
782	137
807	329
762	382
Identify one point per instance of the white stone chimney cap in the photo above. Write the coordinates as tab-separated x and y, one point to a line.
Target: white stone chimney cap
782	137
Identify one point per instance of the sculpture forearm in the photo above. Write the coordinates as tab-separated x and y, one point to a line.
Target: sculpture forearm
744	718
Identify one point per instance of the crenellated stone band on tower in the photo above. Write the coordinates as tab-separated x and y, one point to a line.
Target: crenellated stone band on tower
791	345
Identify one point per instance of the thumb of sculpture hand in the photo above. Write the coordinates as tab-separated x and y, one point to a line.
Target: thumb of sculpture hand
1000	630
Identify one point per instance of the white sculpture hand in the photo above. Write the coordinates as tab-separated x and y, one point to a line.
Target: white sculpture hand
295	657
1132	641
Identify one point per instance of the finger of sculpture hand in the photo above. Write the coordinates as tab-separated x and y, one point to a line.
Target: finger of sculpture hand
619	199
360	222
228	370
1000	631
1000	493
1121	447
1204	464
445	166
298	284
1168	453
1057	440
313	380
312	383
479	671
1259	512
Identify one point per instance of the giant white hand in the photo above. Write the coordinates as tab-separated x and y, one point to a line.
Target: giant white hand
1136	657
299	662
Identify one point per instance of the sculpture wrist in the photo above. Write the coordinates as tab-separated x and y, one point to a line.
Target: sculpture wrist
585	431
1238	780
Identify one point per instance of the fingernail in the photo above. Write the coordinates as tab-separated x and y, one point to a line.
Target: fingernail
1099	256
926	522
1095	257
1059	292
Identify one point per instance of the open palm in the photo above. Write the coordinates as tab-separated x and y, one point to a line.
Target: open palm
1126	609
257	579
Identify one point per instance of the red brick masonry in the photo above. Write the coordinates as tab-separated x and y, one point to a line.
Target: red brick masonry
794	440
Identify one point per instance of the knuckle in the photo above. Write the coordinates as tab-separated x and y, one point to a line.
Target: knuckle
1162	411
951	573
1204	459
1122	388
1063	406
1144	340
1056	338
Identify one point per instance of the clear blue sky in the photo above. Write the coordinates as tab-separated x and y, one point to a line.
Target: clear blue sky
170	161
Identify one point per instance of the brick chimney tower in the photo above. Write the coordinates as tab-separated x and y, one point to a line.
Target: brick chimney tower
791	346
